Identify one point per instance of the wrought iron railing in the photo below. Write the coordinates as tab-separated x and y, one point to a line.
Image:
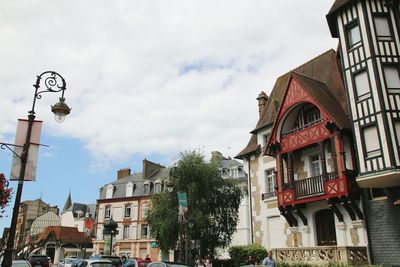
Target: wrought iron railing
323	255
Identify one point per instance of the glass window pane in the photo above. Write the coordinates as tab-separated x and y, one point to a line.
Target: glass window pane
382	26
392	76
354	35
397	129
372	140
362	84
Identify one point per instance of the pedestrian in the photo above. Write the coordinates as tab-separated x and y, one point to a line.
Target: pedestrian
269	261
250	260
147	258
208	262
198	262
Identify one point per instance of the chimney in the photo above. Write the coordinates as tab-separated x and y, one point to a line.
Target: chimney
123	173
262	102
216	156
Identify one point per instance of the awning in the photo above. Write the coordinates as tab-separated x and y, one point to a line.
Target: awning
72	249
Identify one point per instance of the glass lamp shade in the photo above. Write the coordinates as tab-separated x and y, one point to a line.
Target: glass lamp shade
60	110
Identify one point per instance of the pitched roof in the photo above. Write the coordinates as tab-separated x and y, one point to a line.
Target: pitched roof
330	17
68	203
63	234
320	73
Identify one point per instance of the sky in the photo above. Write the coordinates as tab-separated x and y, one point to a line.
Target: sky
145	80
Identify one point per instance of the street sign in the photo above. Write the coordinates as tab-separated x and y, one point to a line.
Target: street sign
183	206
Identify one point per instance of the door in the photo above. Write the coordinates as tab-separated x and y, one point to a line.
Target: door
325	227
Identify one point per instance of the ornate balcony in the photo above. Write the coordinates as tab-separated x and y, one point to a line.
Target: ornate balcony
323	255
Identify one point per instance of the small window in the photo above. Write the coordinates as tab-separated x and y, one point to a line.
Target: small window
157	187
315	165
397	130
382	28
128	211
377	193
109	191
270	180
107	212
392	77
129	189
144	231
371	140
145	209
353	36
362	83
126	234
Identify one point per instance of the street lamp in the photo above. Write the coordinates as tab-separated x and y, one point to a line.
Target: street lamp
110	230
53	83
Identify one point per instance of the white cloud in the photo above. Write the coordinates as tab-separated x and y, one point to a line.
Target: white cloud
154	76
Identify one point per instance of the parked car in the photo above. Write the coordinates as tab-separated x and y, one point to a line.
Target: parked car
66	262
20	263
37	260
116	261
135	263
166	264
92	263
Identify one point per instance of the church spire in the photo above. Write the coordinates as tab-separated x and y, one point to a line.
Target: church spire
68	203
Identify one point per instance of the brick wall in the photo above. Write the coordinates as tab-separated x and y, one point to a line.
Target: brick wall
384	231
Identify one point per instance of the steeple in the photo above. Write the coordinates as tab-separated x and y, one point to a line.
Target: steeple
68	203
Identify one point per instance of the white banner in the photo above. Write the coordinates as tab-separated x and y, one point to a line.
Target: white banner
33	154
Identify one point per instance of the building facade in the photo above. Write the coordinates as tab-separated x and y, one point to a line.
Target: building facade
233	169
29	210
323	159
127	201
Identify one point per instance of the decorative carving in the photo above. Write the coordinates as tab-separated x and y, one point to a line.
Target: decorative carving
304	137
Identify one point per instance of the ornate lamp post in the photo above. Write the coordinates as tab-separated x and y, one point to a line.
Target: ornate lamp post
53	83
110	230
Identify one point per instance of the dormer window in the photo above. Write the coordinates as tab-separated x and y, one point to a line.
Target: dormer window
157	186
129	189
109	191
146	187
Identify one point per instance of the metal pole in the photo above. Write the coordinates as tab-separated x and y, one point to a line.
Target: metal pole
181	248
111	244
8	255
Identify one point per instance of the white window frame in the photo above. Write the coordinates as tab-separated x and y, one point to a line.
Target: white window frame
109	191
144	210
129	189
107	212
315	164
128	211
126	232
270	180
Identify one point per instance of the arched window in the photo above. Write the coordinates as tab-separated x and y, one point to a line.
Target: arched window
301	117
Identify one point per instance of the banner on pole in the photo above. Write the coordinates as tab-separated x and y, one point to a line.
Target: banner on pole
33	153
183	206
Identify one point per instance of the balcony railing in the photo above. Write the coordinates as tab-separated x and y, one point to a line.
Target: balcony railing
309	187
323	255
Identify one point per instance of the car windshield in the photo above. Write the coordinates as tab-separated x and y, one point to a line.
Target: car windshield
101	264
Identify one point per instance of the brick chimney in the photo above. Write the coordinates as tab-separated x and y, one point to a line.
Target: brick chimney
123	173
216	156
262	102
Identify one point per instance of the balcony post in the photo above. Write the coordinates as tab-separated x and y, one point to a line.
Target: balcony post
322	159
290	168
333	154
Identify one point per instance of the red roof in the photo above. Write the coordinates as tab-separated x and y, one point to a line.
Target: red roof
63	234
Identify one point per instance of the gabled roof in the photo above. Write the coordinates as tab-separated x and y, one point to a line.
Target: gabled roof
321	72
330	17
62	234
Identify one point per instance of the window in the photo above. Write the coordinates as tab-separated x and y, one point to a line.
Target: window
382	28
315	165
144	231
234	173
270	180
397	130
109	191
361	83
353	36
371	141
107	212
127	211
377	193
392	77
129	189
145	209
157	187
126	233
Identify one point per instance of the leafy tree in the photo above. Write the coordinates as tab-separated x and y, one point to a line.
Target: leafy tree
213	204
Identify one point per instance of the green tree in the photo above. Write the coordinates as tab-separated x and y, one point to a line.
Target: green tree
213	205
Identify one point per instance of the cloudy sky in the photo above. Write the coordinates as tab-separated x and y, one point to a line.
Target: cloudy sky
145	79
